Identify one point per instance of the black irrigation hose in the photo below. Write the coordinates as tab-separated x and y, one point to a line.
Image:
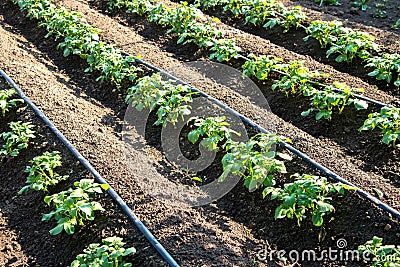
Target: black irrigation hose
303	156
373	101
167	257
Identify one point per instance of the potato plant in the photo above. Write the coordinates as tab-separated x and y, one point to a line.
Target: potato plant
267	14
74	206
326	100
169	99
214	130
382	255
108	254
388	121
7	102
362	4
189	24
325	32
307	194
298	80
352	44
255	160
384	67
17	139
41	173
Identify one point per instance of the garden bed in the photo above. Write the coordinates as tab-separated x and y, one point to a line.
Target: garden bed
217	234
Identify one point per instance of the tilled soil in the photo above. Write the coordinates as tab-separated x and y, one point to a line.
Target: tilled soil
228	232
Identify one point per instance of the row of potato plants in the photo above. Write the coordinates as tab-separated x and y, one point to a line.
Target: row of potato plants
170	101
191	26
344	42
73	206
253	159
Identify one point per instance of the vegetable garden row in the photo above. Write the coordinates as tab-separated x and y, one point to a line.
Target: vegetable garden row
306	196
296	79
73	207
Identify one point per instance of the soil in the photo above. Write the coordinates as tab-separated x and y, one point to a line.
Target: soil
228	232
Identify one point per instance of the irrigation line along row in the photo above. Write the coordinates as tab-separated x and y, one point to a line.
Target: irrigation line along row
287	146
167	257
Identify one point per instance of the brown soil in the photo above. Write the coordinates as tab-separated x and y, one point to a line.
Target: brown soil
228	232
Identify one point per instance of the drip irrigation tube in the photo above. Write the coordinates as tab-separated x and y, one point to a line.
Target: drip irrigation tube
167	257
287	146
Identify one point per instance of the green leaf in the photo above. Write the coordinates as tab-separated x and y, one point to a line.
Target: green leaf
280	213
56	230
374	73
193	136
284	156
360	104
67	52
129	251
306	113
47	217
324	207
317	219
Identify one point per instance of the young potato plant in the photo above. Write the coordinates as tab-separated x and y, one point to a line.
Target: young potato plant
113	65
351	44
17	139
255	160
41	173
362	4
74	206
384	67
110	254
388	120
325	32
6	100
138	7
383	255
259	13
325	101
306	195
167	98
190	25
214	130
296	79
260	66
267	14
224	50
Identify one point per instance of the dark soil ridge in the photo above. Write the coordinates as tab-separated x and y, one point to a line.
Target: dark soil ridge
211	218
293	41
